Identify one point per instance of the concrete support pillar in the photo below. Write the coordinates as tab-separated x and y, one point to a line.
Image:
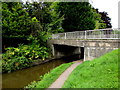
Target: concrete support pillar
53	50
85	51
79	50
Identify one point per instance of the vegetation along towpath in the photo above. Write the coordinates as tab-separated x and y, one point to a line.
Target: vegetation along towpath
60	81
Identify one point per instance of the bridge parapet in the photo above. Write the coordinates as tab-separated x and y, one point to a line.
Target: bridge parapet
90	34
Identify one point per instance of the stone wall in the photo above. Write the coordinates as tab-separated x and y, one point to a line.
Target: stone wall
93	52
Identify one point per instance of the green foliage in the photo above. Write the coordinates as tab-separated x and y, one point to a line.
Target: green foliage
15	22
15	63
23	56
101	72
50	77
32	84
18	24
45	13
77	16
34	19
106	19
101	26
0	62
56	25
99	22
41	38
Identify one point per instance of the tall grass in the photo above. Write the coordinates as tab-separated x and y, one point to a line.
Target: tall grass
98	73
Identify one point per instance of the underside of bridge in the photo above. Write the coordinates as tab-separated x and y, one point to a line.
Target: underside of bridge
68	52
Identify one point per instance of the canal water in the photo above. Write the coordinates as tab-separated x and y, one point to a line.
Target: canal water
21	78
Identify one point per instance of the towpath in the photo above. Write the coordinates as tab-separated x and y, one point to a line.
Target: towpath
60	81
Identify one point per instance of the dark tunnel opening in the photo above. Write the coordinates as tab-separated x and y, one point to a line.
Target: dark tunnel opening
82	52
69	53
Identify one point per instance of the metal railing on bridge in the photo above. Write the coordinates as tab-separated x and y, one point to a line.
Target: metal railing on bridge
90	34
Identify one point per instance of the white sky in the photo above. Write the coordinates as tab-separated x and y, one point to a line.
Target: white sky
109	6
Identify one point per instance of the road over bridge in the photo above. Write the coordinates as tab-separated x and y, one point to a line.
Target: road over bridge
89	44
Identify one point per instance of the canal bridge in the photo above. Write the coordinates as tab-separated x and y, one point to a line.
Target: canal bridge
89	44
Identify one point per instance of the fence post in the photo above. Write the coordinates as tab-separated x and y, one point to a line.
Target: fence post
114	34
65	35
85	35
100	34
52	36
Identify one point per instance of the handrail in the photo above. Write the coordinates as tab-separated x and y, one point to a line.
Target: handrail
108	33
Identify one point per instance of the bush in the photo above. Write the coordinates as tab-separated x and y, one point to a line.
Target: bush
15	64
21	57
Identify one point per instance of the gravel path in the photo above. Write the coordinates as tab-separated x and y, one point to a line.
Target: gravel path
60	81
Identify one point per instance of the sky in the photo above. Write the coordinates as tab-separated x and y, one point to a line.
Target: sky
109	6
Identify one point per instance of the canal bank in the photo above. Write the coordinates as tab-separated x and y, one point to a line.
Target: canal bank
21	78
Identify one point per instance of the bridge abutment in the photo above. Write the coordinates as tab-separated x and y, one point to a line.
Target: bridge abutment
89	49
94	52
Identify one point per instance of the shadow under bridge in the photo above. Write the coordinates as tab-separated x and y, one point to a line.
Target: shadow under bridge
71	53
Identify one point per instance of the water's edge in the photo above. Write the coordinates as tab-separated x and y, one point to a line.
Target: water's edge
23	77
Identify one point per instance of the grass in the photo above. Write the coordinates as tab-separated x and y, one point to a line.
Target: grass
101	72
50	77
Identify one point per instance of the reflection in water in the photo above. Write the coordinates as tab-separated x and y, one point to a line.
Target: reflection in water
21	78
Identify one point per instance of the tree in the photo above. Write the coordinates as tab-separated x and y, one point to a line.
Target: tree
106	19
78	16
45	13
99	22
56	19
15	23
